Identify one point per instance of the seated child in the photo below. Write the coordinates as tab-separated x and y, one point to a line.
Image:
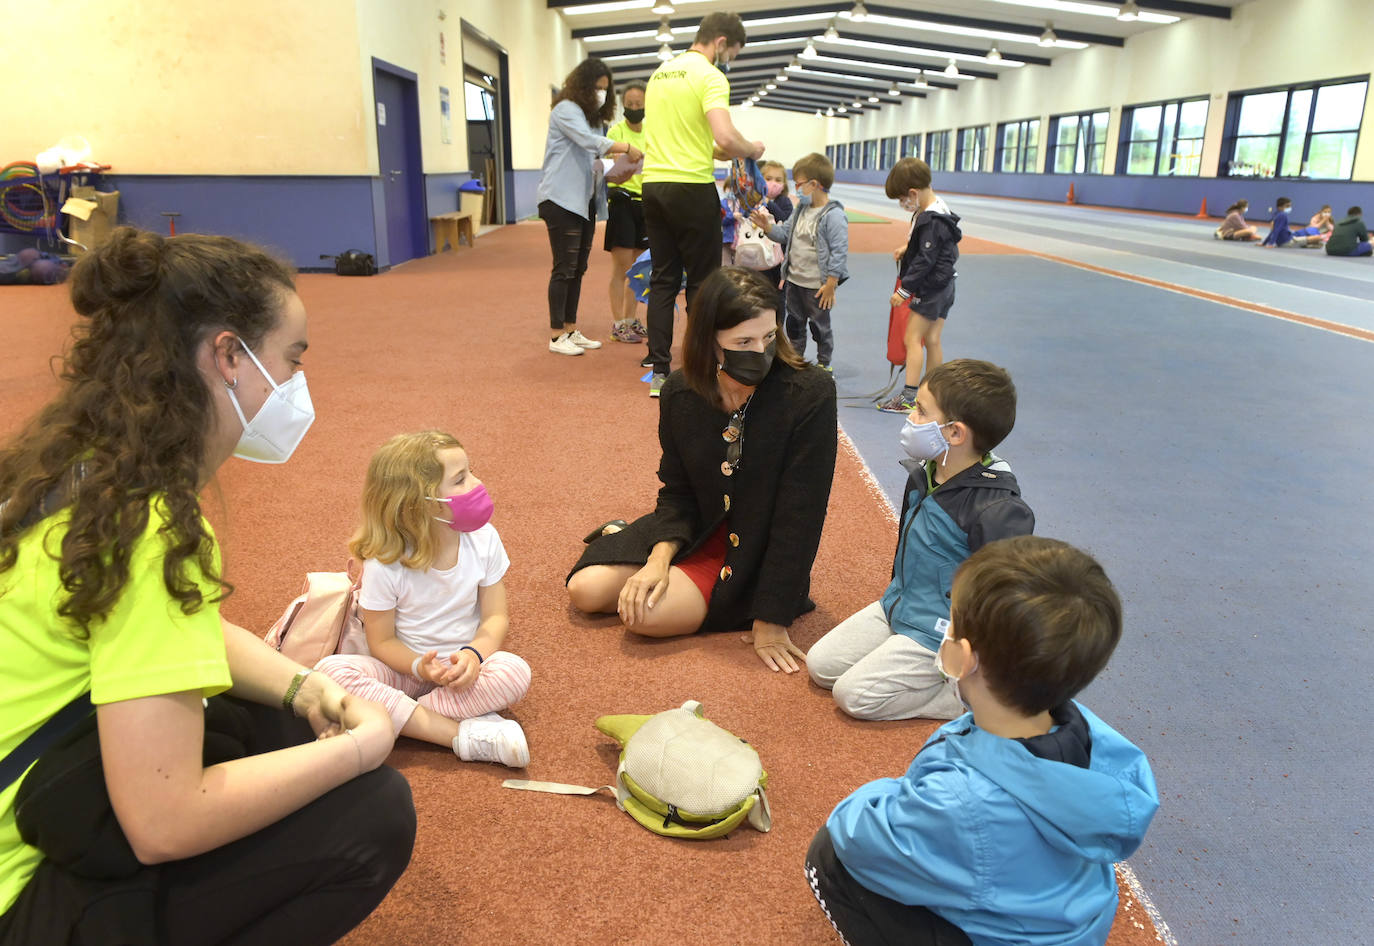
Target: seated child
433	604
880	662
1006	826
1317	231
926	265
1279	234
816	238
1235	227
1350	237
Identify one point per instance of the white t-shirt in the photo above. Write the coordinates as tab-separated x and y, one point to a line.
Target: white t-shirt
437	609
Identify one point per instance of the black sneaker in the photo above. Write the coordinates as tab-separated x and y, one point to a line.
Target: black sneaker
647	363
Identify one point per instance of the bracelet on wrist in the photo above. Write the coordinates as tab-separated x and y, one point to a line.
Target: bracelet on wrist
474	650
415	668
288	699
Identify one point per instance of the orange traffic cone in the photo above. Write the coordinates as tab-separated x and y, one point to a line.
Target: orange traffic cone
1071	199
1202	211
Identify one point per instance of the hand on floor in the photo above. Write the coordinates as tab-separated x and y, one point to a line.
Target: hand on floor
774	647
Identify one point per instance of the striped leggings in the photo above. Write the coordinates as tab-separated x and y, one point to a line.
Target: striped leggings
502	681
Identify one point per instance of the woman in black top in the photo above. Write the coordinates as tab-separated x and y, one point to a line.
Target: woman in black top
748	433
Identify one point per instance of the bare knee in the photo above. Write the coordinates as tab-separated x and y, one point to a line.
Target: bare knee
590	590
670	627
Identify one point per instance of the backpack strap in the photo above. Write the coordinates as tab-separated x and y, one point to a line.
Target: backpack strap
27	752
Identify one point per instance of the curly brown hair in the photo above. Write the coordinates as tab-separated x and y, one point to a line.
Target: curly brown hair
580	89
134	412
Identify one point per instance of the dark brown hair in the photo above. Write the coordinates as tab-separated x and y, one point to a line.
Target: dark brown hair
1238	205
978	393
815	167
580	89
907	174
715	25
1355	212
1041	615
727	297
134	411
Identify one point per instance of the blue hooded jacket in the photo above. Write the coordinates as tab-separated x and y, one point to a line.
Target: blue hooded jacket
1010	847
832	238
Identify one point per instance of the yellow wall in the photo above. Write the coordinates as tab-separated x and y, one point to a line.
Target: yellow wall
786	135
1265	43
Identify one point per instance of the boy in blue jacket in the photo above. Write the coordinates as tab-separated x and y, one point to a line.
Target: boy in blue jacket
1279	233
927	273
879	663
817	260
1005	828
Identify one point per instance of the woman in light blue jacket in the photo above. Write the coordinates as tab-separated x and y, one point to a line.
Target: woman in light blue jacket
567	192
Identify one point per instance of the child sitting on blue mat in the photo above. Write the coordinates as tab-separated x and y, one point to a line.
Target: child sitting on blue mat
1006	826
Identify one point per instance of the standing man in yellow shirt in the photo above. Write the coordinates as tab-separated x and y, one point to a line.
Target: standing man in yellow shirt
689	99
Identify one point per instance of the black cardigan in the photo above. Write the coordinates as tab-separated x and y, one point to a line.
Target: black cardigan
776	498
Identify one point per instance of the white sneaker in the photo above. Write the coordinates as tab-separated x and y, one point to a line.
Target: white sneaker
564	345
491	738
582	341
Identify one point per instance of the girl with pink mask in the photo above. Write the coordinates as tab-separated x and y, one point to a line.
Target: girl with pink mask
433	603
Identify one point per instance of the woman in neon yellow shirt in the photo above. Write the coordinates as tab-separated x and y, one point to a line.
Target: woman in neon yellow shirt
189	352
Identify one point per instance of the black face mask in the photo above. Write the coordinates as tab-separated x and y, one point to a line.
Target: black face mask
634	115
748	367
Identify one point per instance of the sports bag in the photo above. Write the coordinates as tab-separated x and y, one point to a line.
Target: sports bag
753	249
323	620
680	775
353	263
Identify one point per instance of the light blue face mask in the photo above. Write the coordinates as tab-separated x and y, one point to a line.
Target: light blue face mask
940	665
924	442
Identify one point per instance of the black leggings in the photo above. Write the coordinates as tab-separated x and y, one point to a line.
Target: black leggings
683	223
570	239
865	918
307	879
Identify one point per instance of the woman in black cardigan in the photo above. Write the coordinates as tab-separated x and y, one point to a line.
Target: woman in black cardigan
748	432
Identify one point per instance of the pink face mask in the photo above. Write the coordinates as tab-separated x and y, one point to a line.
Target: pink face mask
468	511
772	189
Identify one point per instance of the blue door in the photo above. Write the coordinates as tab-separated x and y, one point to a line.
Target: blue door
398	153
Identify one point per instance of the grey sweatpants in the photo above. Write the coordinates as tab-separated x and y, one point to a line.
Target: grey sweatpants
875	673
803	308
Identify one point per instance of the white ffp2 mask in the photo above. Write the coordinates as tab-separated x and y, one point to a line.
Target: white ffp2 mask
280	424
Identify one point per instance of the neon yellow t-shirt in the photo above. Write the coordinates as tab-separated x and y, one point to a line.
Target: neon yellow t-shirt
621	131
146	646
679	145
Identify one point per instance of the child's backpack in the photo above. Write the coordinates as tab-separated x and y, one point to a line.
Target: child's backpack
680	775
749	186
324	620
753	249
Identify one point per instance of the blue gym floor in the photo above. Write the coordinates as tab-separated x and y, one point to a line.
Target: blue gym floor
1214	459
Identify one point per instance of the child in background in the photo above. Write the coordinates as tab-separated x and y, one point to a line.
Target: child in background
626	236
927	274
1235	227
433	604
779	206
1317	231
1007	824
817	258
1350	237
1279	234
729	211
879	663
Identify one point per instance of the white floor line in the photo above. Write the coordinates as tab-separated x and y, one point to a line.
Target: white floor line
870	481
1162	930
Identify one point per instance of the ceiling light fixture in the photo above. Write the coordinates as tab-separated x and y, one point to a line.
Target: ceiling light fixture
761	93
952	70
921	83
795	65
781	77
665	52
810	51
663	8
842	110
1048	38
894	91
859	13
829	113
1129	12
858	104
995	54
831	33
771	86
665	31
874	98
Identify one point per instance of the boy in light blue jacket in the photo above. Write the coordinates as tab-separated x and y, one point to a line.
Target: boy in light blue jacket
817	240
1006	827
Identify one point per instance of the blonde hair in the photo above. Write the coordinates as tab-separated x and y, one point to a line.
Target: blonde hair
776	164
397	508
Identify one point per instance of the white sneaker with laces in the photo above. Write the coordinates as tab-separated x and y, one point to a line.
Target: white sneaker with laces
491	738
582	341
564	345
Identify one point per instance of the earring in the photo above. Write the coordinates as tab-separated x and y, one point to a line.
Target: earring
231	387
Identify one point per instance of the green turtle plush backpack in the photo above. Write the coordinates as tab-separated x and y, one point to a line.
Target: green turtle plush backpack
680	775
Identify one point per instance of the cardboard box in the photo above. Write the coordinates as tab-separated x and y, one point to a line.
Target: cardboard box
91	215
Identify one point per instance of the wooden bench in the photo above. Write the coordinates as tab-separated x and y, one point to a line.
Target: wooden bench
449	227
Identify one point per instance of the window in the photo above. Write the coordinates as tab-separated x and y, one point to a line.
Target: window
911	146
856	154
871	155
1018	147
1078	143
973	143
478	103
888	153
937	150
1300	131
1163	138
832	156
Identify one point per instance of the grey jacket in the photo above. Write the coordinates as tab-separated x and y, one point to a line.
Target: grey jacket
832	238
569	151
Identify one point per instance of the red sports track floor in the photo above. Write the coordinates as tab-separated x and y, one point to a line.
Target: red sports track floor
457	342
